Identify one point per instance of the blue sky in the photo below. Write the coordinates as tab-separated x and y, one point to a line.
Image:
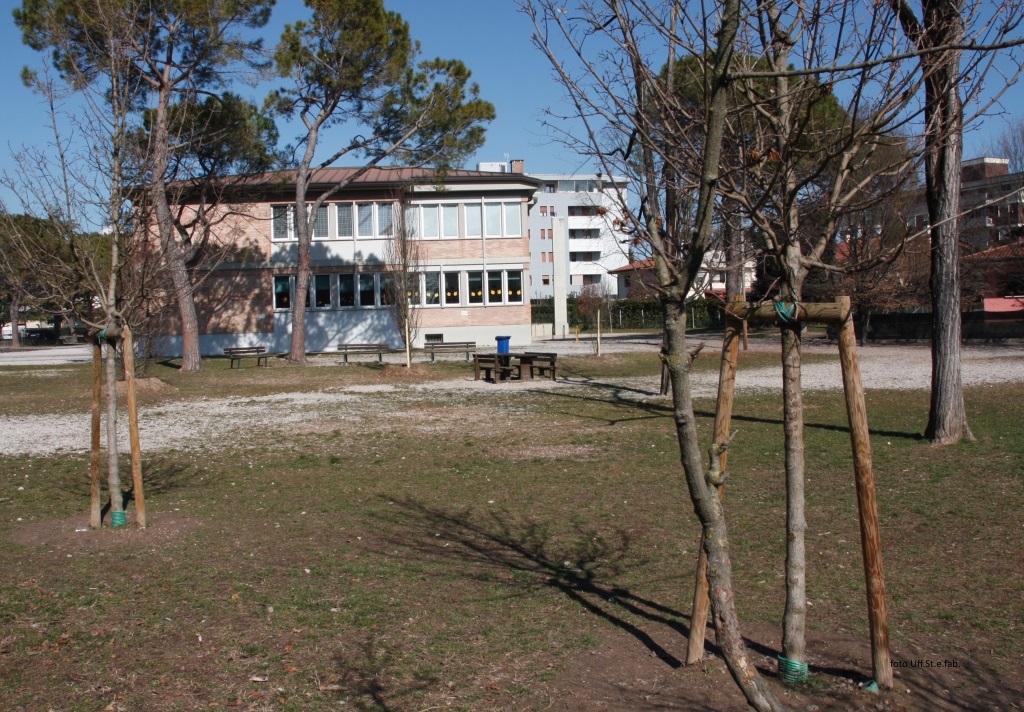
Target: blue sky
491	36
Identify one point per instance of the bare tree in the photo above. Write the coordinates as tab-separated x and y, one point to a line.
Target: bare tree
626	116
1010	144
82	193
402	272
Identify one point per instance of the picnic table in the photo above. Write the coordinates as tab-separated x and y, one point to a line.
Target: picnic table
525	366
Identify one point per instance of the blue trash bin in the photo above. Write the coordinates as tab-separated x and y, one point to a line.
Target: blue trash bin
502	343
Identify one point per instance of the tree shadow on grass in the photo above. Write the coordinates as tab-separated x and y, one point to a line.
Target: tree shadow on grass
582	568
619	395
363	675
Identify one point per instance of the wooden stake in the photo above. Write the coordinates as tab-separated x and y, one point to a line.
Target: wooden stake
133	425
723	421
867	505
95	506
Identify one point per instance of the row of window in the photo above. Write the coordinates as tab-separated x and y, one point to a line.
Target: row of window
372	289
346	221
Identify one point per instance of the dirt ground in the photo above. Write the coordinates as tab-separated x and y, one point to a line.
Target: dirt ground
630	669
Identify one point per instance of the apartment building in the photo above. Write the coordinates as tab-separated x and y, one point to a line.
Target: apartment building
590	204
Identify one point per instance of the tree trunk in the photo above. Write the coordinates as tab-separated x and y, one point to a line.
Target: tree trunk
704	494
113	472
191	360
14	313
947	413
297	352
795	617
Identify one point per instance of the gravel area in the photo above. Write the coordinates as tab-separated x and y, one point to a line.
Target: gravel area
189	424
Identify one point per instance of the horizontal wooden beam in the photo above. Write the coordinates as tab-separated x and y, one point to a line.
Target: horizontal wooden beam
822	313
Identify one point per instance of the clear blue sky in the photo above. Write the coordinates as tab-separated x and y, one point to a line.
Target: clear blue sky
490	36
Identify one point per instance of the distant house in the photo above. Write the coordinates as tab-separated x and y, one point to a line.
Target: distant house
472	272
1002	275
636	279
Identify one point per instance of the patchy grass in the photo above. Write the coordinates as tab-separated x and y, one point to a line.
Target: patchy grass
455	549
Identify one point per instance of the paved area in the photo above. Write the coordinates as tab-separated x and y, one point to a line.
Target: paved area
45	355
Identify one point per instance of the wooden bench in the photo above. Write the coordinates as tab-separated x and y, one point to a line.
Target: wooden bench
236	354
494	367
542	363
379	349
450	347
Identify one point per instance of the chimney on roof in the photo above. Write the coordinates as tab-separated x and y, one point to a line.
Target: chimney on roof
518	165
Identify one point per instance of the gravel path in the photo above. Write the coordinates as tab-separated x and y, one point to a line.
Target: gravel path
189	424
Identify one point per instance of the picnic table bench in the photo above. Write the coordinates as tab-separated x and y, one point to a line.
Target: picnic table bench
495	367
450	347
237	353
542	363
378	349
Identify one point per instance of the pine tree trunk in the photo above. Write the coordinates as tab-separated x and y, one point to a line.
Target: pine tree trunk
947	413
191	360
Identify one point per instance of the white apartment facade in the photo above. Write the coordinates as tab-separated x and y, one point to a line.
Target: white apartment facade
590	204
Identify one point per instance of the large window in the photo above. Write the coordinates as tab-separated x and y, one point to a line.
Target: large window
345	220
432	288
366	290
282	291
320	289
473	224
346	290
514	291
449	221
281	221
365	213
475	282
320	224
430	223
451	288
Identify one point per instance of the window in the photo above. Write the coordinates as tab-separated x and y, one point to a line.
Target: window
385	219
513	220
345	220
365	214
412	295
514	293
451	288
450	220
551	257
430	223
282	291
387	289
543	256
544	211
412	222
545	279
320	224
492	219
472	221
282	222
346	290
432	291
320	290
494	288
366	297
475	280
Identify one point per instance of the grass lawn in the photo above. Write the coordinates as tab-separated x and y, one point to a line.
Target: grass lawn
417	548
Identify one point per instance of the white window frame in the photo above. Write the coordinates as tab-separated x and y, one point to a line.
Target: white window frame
289	222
